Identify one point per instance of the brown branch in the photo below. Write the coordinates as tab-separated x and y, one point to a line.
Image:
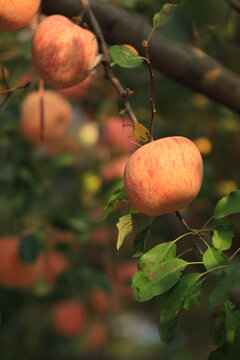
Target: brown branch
186	64
234	4
109	75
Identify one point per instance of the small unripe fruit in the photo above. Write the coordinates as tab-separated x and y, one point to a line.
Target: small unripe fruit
62	52
164	176
14	14
69	317
57	116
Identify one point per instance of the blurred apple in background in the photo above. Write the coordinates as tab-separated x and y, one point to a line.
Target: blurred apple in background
57	116
69	317
123	278
13	272
63	61
99	301
114	169
116	134
54	264
14	14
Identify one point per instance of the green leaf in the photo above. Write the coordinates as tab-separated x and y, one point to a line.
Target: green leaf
226	324
30	247
229	280
140	241
158	271
227	205
125	56
140	132
117	195
160	18
130	222
222	234
193	298
213	258
173	304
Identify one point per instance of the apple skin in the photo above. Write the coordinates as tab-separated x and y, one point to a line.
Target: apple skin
123	277
13	272
57	116
62	52
69	317
14	14
164	176
116	135
79	91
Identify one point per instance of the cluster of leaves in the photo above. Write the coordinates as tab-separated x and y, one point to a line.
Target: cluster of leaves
160	269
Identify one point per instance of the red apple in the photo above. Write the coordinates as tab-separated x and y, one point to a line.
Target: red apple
54	264
99	301
115	168
57	116
69	317
123	276
116	134
164	176
13	272
63	52
79	91
15	14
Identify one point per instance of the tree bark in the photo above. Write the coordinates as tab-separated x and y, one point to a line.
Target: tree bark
186	64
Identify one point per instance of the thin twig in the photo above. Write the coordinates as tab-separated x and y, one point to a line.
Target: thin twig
233	255
109	75
7	91
234	4
188	228
145	44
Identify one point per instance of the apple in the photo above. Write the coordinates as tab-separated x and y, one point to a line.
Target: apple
123	278
164	176
63	52
57	116
69	317
54	264
79	91
115	168
99	301
14	14
13	272
116	134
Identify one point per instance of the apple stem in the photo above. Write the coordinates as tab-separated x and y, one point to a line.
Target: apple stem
145	44
109	75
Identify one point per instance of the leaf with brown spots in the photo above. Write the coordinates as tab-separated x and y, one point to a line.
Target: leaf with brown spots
158	271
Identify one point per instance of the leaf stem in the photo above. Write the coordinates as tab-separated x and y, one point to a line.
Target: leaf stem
233	255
